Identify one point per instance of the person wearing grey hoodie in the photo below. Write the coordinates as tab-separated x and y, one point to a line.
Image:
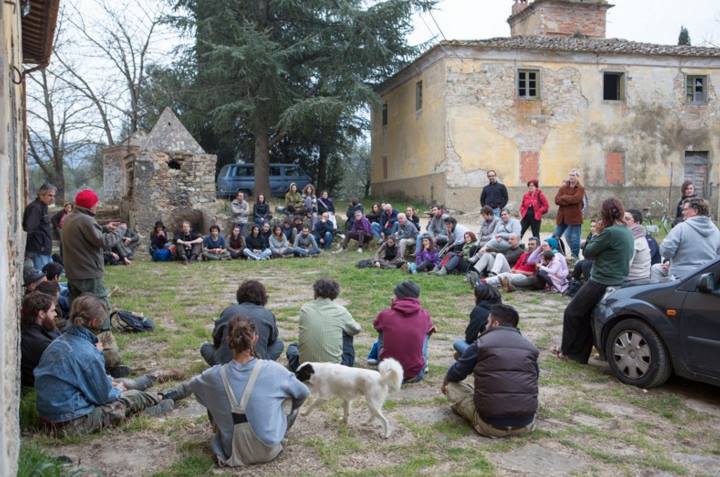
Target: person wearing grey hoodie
640	265
487	226
506	226
406	233
435	228
690	245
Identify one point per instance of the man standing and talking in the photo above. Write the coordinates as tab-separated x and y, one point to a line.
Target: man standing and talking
83	241
494	195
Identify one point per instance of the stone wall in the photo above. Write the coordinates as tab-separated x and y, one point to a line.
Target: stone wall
12	239
560	18
172	187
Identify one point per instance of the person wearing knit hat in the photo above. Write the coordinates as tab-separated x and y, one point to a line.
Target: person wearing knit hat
32	277
83	243
407	289
404	330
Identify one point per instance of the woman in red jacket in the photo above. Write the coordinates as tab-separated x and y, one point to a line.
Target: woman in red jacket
534	205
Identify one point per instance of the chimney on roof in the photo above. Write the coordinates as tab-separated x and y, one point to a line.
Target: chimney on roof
585	18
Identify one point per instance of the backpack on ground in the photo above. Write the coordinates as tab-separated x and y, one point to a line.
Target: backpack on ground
368	263
162	255
129	322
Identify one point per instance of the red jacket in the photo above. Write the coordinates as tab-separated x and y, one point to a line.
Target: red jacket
405	326
537	201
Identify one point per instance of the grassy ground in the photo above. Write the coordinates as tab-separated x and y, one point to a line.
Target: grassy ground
589	423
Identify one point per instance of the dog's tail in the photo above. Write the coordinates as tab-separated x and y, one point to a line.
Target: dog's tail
391	373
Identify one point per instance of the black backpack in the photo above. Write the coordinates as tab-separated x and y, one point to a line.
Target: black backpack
130	322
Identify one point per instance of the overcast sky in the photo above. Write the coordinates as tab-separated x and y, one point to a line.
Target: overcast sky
653	21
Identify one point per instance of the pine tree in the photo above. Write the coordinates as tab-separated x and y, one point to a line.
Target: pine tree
300	67
684	38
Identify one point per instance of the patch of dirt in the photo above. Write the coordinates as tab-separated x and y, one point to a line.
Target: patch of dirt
123	455
534	459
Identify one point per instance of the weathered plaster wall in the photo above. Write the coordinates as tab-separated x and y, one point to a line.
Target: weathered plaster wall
12	243
621	147
412	141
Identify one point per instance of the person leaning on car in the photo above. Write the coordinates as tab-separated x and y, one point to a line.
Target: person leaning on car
690	245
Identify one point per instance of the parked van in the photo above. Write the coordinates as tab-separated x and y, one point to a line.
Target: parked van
241	177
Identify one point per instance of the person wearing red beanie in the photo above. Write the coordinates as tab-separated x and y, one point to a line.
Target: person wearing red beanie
83	242
86	198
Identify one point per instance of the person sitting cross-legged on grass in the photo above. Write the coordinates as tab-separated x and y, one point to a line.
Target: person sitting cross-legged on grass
252	402
485	297
323	231
326	329
236	242
426	258
256	247
388	255
305	244
251	300
404	330
503	400
279	245
38	330
188	244
360	231
74	395
214	245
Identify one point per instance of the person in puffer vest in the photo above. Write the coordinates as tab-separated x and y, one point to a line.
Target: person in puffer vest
504	398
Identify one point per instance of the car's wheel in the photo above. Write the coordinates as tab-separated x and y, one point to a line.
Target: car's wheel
637	355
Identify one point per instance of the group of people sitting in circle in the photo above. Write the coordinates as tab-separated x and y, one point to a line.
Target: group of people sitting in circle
251	399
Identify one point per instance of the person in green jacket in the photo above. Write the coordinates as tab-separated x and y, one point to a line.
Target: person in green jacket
294	200
611	251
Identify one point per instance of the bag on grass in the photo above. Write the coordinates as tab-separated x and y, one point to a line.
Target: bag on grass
364	263
162	255
130	322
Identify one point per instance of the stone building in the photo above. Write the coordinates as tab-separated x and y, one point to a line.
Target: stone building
164	175
26	36
635	118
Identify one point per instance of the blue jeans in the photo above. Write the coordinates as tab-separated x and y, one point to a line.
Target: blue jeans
39	261
348	353
328	237
460	346
573	236
496	211
377	230
262	255
376	350
304	252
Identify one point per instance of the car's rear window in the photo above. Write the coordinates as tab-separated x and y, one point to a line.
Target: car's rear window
240	171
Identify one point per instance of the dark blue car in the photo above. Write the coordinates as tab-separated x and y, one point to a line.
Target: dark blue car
647	332
241	177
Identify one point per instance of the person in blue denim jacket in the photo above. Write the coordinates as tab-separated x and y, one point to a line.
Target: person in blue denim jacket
74	393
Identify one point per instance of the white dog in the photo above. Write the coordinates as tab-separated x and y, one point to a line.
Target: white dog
329	380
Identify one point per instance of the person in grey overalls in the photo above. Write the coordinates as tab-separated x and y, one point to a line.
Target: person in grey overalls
252	402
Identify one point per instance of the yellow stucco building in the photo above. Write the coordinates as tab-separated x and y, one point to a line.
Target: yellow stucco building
636	119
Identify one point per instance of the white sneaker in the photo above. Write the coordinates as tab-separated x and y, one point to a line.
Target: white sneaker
372	362
360	250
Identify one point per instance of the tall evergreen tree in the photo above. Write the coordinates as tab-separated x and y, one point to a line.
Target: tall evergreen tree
300	67
684	38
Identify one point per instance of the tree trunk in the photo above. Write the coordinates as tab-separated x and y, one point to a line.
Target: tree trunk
322	168
59	179
262	160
